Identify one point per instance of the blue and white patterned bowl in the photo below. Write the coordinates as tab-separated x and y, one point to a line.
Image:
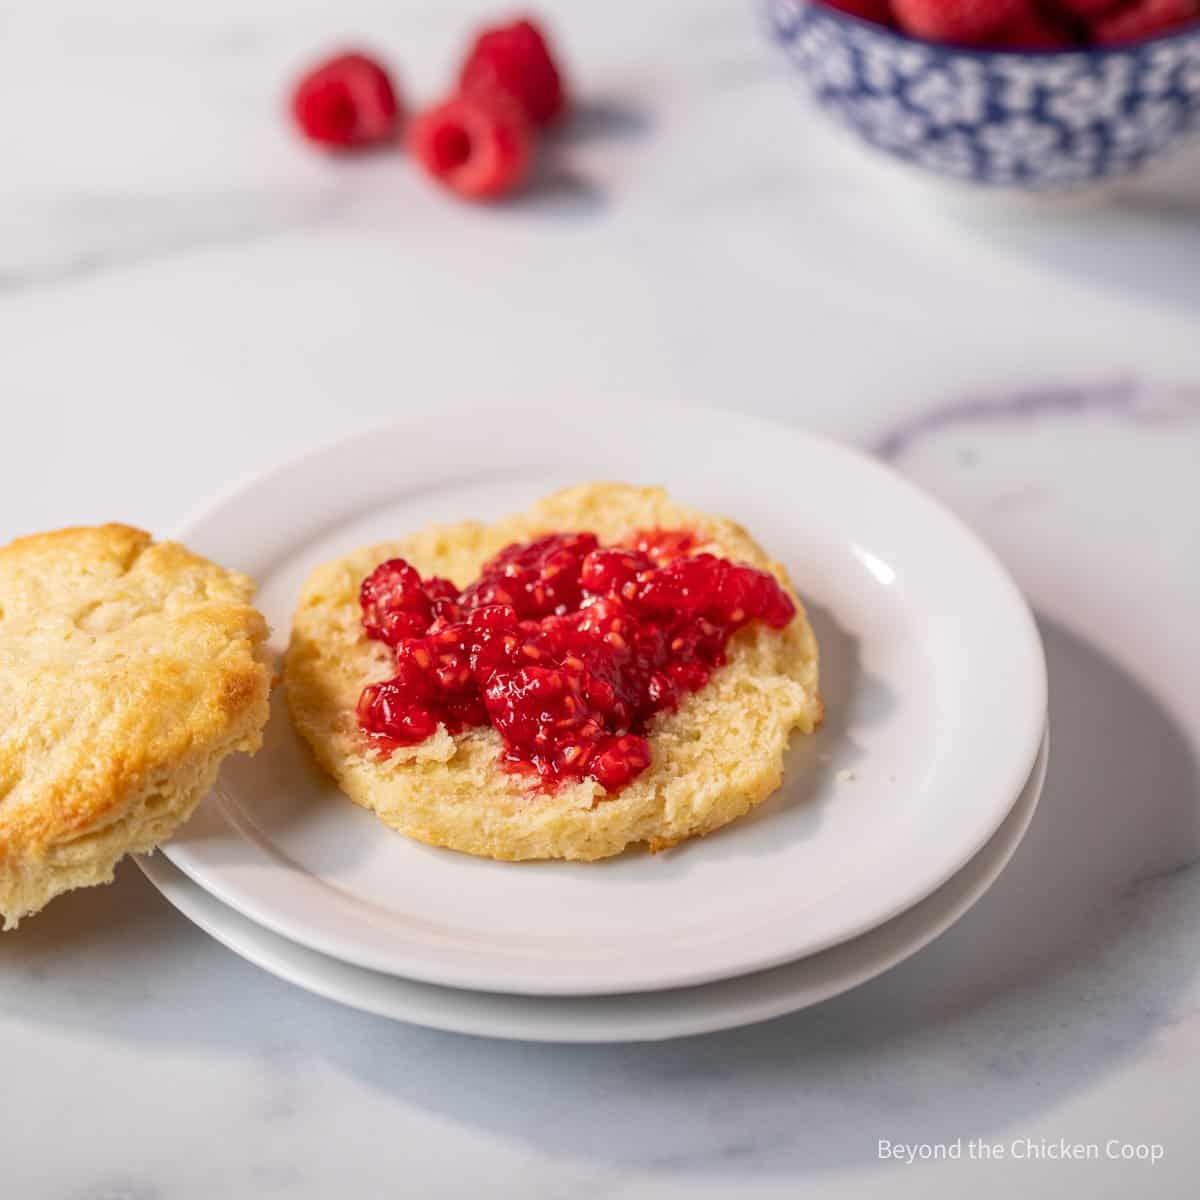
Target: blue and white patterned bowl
1037	119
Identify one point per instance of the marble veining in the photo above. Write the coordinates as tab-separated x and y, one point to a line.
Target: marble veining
123	233
1124	399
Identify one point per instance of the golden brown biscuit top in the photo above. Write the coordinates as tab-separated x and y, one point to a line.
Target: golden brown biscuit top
118	656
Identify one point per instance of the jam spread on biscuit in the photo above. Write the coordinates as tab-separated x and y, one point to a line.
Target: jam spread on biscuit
566	647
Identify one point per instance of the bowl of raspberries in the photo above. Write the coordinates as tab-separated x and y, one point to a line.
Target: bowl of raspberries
1025	94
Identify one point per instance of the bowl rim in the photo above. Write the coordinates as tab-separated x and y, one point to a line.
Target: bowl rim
829	12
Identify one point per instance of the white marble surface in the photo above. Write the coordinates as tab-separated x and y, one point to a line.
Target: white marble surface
187	296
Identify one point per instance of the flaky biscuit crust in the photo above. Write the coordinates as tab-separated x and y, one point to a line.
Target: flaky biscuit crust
719	754
128	670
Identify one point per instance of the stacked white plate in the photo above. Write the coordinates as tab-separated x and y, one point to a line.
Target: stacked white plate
892	821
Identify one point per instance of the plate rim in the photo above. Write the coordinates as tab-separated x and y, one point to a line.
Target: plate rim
579	1020
482	977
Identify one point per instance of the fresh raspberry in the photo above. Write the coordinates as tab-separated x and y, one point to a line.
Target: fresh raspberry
964	22
1032	31
878	12
346	102
476	145
515	61
1144	19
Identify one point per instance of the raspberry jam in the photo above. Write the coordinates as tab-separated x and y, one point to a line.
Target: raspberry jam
567	648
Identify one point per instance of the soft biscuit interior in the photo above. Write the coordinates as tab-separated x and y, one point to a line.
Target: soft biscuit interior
714	757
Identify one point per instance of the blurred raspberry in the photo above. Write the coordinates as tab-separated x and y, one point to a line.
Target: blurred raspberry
515	60
1087	10
1032	31
476	145
878	12
1144	19
963	22
346	102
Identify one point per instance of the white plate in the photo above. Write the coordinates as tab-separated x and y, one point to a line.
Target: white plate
649	1016
932	672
